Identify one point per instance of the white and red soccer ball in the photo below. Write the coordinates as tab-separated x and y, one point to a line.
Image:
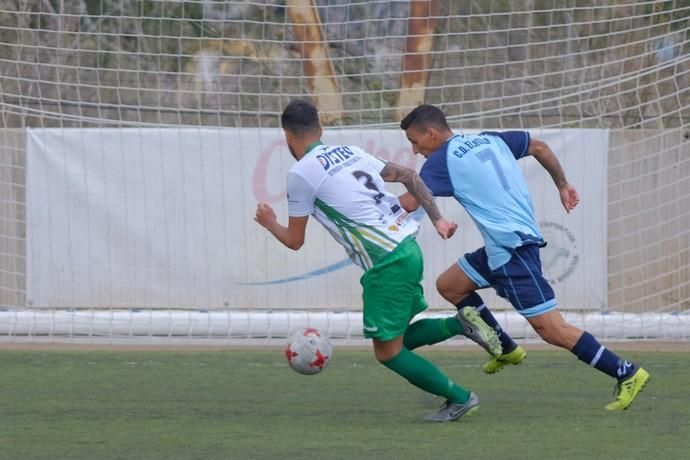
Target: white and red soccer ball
308	351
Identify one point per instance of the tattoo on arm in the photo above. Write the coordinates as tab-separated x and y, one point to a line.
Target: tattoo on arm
553	167
545	156
415	185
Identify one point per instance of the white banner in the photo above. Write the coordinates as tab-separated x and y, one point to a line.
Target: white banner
163	218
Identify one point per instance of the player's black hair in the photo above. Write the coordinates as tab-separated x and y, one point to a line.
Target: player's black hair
300	117
425	116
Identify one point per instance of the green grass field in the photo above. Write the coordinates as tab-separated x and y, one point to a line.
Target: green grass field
247	404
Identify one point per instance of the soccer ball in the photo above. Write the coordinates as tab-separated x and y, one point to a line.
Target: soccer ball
308	351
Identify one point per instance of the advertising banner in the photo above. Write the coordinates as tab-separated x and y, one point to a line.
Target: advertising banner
163	218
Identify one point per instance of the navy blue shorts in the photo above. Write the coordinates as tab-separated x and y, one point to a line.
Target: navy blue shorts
520	280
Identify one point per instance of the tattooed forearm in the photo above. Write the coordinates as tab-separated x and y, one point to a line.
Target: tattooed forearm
553	166
421	192
545	156
415	185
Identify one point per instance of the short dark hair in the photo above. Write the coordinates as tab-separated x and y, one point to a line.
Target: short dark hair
300	117
425	116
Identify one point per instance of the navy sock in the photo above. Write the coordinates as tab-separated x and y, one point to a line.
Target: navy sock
475	300
589	350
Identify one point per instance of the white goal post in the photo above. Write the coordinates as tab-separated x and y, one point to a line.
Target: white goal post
121	217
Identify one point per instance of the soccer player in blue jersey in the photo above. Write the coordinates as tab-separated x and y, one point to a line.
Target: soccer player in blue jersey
482	174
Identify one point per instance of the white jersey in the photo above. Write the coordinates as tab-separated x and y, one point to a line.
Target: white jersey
341	186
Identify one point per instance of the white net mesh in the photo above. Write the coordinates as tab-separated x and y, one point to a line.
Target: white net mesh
617	65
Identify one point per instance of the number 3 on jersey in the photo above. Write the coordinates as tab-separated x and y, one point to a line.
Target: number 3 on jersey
368	182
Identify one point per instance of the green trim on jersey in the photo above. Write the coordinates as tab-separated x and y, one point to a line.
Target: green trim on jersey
364	240
312	146
353	249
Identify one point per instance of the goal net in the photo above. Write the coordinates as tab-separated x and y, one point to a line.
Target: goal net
137	138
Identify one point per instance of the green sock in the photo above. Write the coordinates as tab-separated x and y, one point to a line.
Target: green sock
425	375
430	331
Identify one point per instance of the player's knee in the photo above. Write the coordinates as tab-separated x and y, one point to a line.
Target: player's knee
381	355
446	290
385	351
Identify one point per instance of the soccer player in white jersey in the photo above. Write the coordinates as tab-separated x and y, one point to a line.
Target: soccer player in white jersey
482	174
342	186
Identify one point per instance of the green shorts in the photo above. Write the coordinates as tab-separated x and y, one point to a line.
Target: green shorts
392	292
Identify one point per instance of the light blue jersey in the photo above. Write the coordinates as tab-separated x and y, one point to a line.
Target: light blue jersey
482	173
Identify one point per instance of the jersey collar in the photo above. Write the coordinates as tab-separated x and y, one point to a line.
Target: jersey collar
444	147
312	146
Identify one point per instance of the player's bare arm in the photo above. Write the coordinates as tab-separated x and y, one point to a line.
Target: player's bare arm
545	156
291	236
414	184
419	194
408	202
